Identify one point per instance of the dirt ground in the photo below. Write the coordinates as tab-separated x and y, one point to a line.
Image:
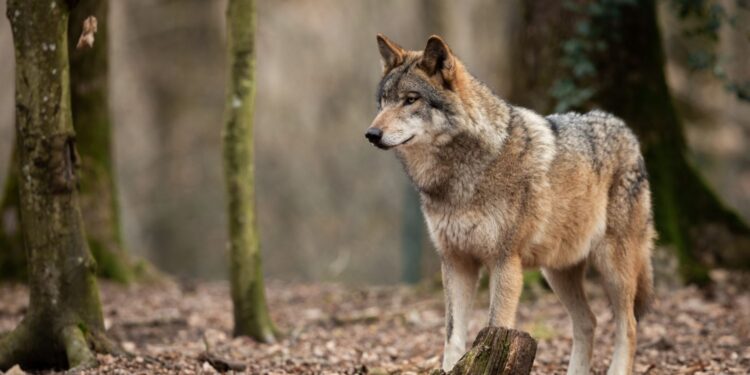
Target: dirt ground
382	330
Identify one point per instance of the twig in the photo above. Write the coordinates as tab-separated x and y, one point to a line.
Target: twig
220	364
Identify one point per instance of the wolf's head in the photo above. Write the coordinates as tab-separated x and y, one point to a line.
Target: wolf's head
417	96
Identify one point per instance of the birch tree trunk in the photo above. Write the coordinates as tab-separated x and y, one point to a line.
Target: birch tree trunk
64	320
251	315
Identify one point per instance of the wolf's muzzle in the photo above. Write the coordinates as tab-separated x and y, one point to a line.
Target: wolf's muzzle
374	135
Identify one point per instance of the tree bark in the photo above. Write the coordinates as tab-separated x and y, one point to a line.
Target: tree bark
497	350
64	320
251	315
630	82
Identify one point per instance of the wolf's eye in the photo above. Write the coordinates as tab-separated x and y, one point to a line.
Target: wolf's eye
411	99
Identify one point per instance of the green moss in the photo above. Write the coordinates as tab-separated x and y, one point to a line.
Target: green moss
83	328
78	353
110	265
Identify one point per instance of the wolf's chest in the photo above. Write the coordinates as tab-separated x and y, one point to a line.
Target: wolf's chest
466	231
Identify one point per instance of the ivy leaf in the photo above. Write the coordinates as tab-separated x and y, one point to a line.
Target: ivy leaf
583	28
584	68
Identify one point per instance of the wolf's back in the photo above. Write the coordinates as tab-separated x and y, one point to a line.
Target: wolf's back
602	138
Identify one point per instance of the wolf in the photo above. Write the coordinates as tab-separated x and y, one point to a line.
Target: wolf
506	188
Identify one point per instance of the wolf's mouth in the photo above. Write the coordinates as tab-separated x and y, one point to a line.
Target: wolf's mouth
407	140
380	145
383	146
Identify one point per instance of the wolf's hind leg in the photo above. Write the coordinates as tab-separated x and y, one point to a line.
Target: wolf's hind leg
568	286
506	284
460	281
617	265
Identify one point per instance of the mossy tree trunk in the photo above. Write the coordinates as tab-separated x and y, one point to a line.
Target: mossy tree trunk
63	322
98	192
629	81
89	76
251	317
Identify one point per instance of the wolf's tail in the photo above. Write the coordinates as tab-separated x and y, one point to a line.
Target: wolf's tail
644	294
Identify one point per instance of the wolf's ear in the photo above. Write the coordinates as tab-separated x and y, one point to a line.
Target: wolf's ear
392	53
438	58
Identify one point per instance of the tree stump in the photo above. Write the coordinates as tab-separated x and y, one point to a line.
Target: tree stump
497	350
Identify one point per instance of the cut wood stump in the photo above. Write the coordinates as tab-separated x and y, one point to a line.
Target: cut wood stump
497	350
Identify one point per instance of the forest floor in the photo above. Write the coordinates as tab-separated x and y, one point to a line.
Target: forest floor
382	330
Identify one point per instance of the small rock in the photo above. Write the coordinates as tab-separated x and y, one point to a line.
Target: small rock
128	346
208	368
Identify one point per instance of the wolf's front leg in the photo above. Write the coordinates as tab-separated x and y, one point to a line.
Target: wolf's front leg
459	281
506	283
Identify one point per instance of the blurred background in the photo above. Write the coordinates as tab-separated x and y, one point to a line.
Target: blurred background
330	206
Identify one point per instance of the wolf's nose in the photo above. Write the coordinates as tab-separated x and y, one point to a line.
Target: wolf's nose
374	134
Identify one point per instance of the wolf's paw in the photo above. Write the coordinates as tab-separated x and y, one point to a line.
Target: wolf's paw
451	357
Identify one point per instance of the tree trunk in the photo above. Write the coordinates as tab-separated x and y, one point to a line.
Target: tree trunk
89	73
251	315
64	320
629	81
98	192
497	350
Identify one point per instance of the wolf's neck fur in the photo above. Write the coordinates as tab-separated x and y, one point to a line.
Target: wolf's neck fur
449	169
